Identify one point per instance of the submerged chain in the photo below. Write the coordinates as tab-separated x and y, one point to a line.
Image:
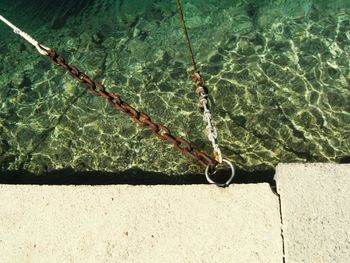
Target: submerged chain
142	119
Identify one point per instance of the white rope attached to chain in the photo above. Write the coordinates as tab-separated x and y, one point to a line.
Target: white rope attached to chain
211	129
213	138
41	49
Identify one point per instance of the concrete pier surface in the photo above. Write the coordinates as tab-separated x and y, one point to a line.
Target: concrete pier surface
307	221
315	209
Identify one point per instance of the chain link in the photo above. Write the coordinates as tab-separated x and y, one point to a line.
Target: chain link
140	118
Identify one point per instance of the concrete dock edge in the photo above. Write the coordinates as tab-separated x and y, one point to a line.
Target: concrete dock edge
120	223
307	220
315	209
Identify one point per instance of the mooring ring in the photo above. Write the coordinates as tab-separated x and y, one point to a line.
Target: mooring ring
219	184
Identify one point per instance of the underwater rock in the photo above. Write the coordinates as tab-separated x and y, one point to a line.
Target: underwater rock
4	146
18	79
195	17
97	38
72	45
138	48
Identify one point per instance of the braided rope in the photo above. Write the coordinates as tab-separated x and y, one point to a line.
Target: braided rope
202	92
41	49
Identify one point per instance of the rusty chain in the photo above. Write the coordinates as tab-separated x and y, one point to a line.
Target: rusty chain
142	119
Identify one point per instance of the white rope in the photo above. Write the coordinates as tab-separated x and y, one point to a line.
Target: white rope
211	129
41	49
213	138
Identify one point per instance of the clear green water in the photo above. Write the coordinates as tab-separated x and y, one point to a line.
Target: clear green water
278	73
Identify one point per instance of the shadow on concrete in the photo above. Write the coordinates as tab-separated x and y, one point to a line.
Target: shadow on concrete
132	176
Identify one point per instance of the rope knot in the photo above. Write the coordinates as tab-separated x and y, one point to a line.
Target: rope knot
197	79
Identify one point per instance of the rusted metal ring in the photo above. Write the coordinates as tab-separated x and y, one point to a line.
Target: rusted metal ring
207	175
